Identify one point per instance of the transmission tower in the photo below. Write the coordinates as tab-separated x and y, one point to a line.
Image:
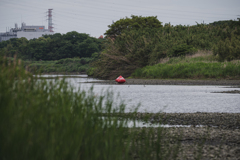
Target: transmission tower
50	24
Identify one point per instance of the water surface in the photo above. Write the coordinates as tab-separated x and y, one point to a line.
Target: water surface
168	98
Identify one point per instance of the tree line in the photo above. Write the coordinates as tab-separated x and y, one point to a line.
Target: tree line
135	46
131	43
52	47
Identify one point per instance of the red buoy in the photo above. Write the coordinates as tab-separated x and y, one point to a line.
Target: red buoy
120	79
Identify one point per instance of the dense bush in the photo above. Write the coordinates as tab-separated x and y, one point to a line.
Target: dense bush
130	50
181	50
52	47
133	23
62	65
136	48
228	49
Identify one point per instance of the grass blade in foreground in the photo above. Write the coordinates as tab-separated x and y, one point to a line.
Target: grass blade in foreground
42	119
47	120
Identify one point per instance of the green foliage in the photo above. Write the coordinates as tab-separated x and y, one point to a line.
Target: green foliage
181	50
229	23
47	120
90	71
95	56
130	50
134	48
177	68
228	49
62	65
135	22
52	47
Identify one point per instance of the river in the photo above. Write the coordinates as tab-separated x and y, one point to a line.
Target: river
166	98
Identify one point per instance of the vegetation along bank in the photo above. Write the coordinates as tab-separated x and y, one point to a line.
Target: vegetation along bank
139	47
70	52
142	47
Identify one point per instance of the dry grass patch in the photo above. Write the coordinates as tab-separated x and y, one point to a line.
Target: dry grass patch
200	55
164	60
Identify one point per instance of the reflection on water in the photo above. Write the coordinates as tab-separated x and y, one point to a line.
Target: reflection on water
144	124
169	98
138	123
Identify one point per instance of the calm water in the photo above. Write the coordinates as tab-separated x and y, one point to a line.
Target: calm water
168	98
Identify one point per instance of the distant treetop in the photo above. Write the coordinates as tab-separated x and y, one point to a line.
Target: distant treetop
135	22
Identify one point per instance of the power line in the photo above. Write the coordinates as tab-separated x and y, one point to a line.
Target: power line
108	11
91	6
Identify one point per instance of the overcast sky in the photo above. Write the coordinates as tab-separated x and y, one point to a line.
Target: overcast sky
93	16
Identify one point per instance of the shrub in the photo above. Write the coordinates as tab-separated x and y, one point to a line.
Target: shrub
228	49
181	50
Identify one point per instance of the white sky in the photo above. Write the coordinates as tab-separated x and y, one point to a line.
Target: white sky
93	16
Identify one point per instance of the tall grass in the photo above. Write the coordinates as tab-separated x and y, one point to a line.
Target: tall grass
194	66
42	119
47	120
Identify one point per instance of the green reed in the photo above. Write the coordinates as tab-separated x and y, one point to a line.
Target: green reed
190	70
48	119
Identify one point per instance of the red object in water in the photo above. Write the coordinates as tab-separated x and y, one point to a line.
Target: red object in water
120	79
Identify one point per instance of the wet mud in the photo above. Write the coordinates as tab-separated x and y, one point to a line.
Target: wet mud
208	135
171	82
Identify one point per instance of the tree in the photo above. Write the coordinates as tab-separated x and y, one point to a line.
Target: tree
135	22
75	37
88	47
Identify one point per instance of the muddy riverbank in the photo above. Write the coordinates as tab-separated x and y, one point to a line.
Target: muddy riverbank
199	143
218	136
219	120
228	121
206	143
172	82
233	91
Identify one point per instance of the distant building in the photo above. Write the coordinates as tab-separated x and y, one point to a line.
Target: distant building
28	32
